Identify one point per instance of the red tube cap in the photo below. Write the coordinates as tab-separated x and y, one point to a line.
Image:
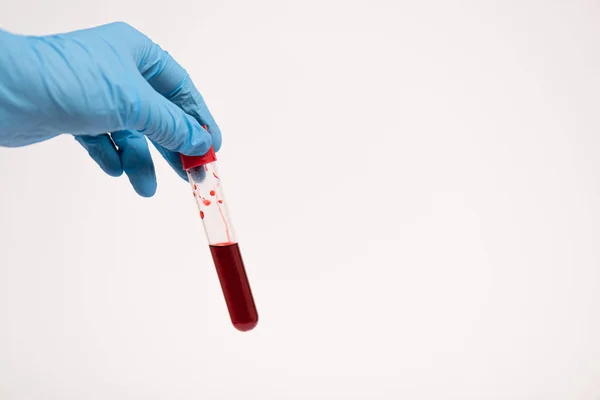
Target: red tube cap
190	162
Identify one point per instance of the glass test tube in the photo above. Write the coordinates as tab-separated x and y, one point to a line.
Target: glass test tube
208	192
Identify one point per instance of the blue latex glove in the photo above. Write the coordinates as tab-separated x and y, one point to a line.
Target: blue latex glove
108	86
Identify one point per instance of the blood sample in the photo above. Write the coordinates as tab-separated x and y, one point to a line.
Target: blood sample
234	282
208	192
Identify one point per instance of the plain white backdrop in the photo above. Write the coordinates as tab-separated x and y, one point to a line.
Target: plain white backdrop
415	186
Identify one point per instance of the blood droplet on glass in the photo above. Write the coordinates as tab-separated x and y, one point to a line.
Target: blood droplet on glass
206	202
195	187
215	175
212	192
202	214
220	201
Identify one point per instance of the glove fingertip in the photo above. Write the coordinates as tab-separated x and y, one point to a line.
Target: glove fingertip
145	190
217	139
200	140
115	173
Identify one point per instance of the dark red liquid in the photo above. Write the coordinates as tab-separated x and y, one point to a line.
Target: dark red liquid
234	282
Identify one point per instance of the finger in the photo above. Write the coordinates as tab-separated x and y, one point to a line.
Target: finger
160	70
103	151
137	161
189	99
166	124
172	81
173	159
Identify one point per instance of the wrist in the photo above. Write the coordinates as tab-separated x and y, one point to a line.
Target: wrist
13	48
20	92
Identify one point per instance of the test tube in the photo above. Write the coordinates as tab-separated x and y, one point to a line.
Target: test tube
208	192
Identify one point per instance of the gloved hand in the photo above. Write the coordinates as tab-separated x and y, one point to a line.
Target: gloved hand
108	86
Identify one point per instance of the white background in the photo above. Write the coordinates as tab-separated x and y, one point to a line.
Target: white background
416	190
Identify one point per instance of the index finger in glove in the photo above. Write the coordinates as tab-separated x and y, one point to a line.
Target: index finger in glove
172	81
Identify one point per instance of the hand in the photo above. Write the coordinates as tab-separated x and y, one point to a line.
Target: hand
108	86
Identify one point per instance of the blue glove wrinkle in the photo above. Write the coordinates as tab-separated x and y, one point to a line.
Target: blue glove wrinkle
19	94
54	59
103	151
78	94
161	71
178	88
